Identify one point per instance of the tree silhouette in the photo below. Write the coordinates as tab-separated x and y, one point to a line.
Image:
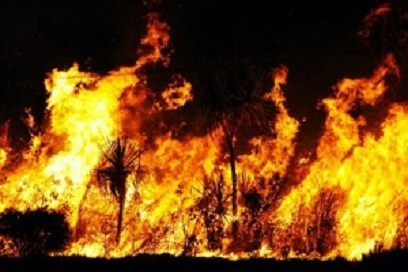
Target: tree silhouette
211	206
229	98
37	232
119	159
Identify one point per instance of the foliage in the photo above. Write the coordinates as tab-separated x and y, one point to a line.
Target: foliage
313	228
257	199
212	206
37	232
229	98
119	162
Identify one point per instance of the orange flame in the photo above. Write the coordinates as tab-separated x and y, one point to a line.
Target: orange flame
178	93
357	166
351	201
4	145
373	17
272	156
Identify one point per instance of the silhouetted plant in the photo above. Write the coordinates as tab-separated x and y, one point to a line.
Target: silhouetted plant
190	241
37	232
254	205
258	200
272	188
401	240
269	190
324	220
228	99
313	228
212	207
119	159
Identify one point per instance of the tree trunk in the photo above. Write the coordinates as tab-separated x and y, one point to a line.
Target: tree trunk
122	195
233	176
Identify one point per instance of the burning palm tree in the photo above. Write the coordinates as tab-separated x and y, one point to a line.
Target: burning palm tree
229	99
119	159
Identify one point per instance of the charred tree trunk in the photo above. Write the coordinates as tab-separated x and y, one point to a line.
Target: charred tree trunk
233	175
122	195
234	190
120	157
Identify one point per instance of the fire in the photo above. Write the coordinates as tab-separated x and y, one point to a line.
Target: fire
4	147
177	195
178	94
271	156
373	17
357	167
157	39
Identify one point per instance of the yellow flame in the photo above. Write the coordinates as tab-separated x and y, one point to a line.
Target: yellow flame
351	201
178	94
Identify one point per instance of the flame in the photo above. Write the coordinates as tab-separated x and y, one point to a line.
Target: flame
373	17
358	167
157	39
178	93
271	156
4	145
351	201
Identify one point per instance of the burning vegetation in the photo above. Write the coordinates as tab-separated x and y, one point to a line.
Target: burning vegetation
125	190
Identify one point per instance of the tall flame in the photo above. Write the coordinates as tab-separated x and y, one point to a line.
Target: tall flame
351	201
272	156
358	166
4	146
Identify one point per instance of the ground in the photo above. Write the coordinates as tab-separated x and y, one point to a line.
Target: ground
388	261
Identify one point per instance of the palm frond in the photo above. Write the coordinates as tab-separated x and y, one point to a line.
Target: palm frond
119	157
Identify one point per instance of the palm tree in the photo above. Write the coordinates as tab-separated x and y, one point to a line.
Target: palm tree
119	159
229	98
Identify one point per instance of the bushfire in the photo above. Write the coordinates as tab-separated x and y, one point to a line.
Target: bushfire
125	192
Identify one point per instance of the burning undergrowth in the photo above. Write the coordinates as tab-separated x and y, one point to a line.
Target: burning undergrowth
130	179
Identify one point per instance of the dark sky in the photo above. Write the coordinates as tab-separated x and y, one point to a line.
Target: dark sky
316	39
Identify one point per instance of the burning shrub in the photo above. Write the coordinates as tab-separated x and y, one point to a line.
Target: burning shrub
251	227
119	160
401	239
212	206
190	243
37	232
257	199
313	229
323	225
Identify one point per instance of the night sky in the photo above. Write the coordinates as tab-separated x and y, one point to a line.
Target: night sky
316	39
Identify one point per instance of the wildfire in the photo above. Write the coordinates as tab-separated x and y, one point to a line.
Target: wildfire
178	94
355	167
4	148
271	156
373	17
177	195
